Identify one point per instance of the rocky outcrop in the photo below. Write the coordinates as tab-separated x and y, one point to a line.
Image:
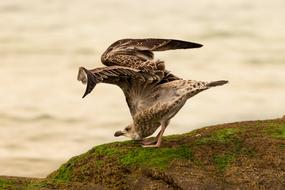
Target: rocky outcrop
244	155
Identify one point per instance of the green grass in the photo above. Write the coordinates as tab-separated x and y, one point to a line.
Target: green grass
222	161
220	136
158	158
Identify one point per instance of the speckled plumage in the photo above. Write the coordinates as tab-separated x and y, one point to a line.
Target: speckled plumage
135	52
170	97
153	94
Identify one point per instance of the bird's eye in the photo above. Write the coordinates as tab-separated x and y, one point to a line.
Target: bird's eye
127	129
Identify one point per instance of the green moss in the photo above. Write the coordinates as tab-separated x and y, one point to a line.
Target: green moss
239	149
135	155
13	184
107	149
235	148
158	158
64	172
213	152
45	184
36	186
222	161
172	137
220	136
277	130
99	163
112	150
4	183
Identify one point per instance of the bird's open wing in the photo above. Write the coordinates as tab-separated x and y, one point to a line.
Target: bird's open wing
133	52
118	75
135	83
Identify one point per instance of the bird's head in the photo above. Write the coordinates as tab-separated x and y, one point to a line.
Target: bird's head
129	131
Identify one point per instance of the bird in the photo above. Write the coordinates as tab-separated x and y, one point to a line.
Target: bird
153	94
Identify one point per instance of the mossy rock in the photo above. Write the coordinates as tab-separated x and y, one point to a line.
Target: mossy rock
245	155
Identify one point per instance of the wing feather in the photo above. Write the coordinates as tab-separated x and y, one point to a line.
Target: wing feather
117	75
132	52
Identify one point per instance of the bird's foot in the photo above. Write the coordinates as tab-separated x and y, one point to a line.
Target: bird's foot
149	142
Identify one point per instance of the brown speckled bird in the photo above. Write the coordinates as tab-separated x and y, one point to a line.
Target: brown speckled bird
153	94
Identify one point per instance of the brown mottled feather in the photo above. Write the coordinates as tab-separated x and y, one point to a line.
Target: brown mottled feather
170	98
124	77
133	52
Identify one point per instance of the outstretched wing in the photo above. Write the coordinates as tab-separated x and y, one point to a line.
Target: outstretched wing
135	83
133	52
117	75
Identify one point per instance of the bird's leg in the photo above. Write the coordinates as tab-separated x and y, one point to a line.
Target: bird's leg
159	139
152	141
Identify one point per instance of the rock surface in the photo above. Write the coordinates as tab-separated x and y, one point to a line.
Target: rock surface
242	155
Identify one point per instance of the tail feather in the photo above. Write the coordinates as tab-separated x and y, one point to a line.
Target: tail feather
217	83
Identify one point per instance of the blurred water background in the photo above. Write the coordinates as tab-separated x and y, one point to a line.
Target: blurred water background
44	121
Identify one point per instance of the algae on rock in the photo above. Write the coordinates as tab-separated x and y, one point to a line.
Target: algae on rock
245	155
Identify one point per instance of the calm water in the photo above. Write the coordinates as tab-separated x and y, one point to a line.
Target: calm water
44	121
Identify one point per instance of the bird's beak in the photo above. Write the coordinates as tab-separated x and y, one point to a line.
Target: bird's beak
118	133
